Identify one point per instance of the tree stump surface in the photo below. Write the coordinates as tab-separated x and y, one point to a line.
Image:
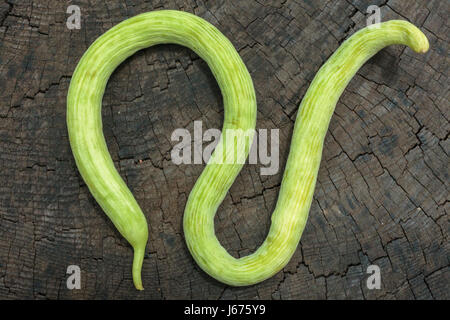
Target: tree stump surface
382	192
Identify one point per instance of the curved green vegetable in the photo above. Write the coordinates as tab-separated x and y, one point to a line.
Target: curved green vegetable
299	178
88	84
288	220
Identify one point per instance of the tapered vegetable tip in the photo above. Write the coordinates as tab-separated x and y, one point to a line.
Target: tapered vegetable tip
137	266
417	39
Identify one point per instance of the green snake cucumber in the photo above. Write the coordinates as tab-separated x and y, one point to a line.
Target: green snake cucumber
290	215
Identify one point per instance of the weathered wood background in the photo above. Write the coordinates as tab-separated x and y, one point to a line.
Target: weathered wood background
383	186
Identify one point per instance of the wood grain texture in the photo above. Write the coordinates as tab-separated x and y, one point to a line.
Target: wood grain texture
383	186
